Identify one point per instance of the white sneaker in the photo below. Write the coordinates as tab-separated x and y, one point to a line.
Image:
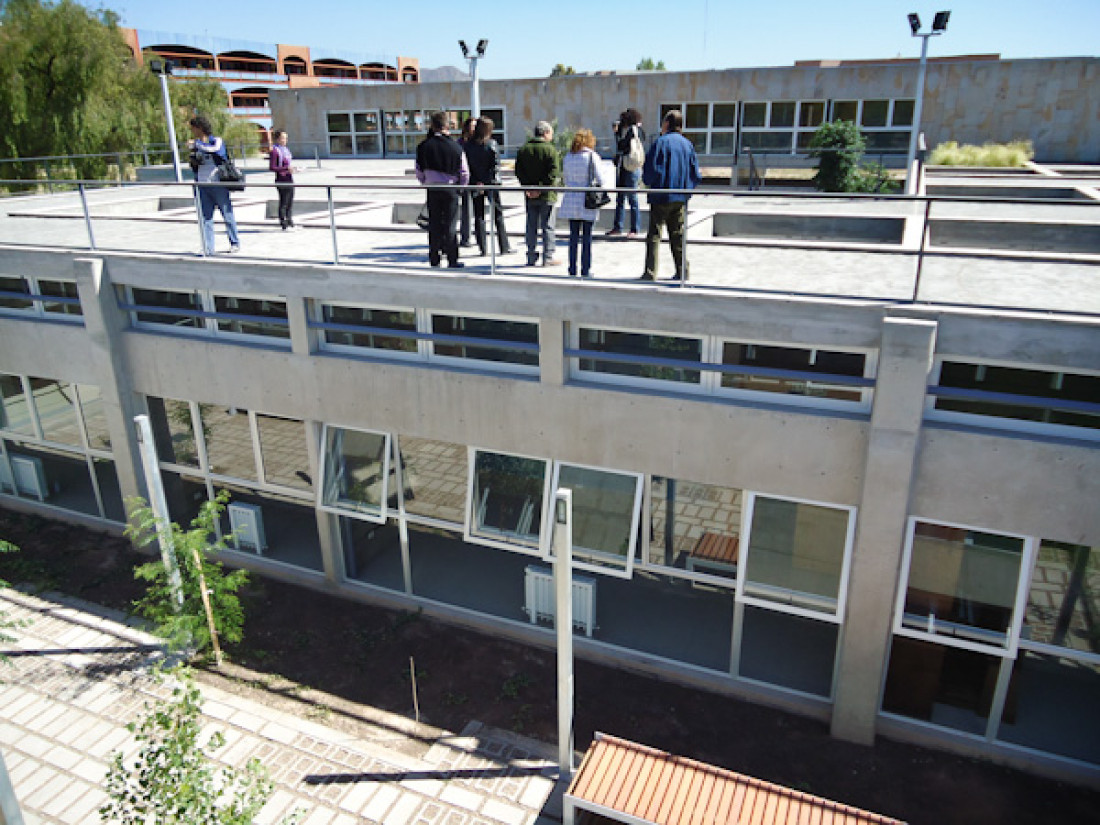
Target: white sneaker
234	248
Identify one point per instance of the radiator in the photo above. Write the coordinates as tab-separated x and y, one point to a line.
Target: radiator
30	477
538	585
246	522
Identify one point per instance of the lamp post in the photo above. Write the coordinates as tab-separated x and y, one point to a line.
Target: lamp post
163	68
475	92
939	26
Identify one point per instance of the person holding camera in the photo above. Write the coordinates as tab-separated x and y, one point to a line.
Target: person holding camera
628	127
207	153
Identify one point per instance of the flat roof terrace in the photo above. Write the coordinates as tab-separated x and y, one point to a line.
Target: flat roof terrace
1011	253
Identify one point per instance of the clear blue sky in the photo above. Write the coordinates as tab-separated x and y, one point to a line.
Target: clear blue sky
527	38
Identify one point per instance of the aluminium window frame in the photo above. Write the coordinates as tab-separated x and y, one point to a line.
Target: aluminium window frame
383	513
540	547
38	300
206	316
574	355
319	323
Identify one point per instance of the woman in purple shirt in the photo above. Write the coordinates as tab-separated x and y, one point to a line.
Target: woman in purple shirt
284	179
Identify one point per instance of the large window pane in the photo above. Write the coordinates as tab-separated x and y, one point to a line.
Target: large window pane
55	402
754	115
356	471
1051	705
339	122
435	476
256	308
694	527
782	114
874	112
374	321
811	113
173	431
1063	602
53	475
768	141
15	413
605	508
95	419
696	116
725	116
17	285
167	300
791	651
962	583
59	289
943	685
228	441
286	528
629	345
284	452
507	497
903	113
845	109
372	553
796	553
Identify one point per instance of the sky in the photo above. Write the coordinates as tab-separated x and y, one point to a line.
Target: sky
527	39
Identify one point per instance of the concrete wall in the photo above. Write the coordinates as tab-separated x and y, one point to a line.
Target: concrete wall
1054	102
890	464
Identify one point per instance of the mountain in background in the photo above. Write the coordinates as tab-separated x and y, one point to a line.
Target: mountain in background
444	74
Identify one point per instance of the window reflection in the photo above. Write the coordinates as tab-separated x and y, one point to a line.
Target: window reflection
508	495
15	413
1063	601
435	476
283	448
356	469
605	508
228	437
55	403
695	527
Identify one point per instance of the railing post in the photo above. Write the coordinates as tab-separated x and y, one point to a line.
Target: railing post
489	198
920	250
49	177
198	212
87	216
332	224
316	156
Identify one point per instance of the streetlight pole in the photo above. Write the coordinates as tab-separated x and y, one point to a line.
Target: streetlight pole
163	68
939	26
475	90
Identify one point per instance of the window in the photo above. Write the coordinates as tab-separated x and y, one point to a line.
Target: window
961	585
606	507
355	470
797	555
768	127
874	113
507	499
181	310
262	319
404	129
55	405
694	527
285	459
795	370
1035	400
501	341
634	356
886	124
15	412
354	133
435	474
40	296
711	127
354	326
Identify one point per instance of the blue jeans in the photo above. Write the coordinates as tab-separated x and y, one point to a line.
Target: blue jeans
580	231
627	180
540	216
209	197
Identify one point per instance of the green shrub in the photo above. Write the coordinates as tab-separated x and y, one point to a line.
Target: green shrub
1016	153
839	147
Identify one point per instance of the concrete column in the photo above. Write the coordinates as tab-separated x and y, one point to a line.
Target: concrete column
328	524
551	351
905	360
303	340
105	324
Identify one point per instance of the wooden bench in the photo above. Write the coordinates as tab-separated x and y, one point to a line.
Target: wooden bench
622	781
715	551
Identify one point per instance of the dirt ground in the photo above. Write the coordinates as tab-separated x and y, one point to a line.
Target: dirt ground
360	654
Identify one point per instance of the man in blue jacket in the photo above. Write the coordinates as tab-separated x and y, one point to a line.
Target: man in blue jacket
670	163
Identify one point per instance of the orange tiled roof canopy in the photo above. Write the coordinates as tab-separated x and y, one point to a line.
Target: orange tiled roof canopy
623	780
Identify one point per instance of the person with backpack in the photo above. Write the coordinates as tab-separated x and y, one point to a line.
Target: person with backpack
207	153
629	157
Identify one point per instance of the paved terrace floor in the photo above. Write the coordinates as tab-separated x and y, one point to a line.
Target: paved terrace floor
369	195
76	677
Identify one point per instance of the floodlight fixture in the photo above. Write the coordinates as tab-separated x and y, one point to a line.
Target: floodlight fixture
465	49
939	26
472	59
939	23
483	43
914	23
162	67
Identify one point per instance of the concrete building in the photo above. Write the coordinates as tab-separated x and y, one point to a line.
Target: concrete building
1053	102
250	70
851	469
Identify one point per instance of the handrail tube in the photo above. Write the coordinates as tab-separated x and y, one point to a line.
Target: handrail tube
439	337
32	296
1011	399
87	217
204	314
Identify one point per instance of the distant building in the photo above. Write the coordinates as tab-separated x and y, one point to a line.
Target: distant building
249	70
773	111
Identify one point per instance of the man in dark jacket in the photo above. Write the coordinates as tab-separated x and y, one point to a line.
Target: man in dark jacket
538	164
439	160
670	163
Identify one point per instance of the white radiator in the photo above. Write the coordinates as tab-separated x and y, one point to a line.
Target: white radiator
538	585
246	522
30	478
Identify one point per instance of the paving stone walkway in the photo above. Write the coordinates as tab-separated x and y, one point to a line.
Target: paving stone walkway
75	678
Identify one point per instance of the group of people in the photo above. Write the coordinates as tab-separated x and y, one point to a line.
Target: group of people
474	161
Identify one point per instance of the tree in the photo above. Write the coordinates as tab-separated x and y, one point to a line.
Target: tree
560	69
204	580
646	64
173	781
71	87
839	145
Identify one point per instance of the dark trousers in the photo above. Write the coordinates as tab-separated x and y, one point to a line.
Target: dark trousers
673	215
580	234
286	204
442	213
464	224
497	216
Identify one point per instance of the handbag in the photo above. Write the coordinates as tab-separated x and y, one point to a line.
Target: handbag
422	218
229	173
634	159
598	198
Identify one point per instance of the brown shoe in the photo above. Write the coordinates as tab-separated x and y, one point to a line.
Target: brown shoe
551	262
613	232
647	277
